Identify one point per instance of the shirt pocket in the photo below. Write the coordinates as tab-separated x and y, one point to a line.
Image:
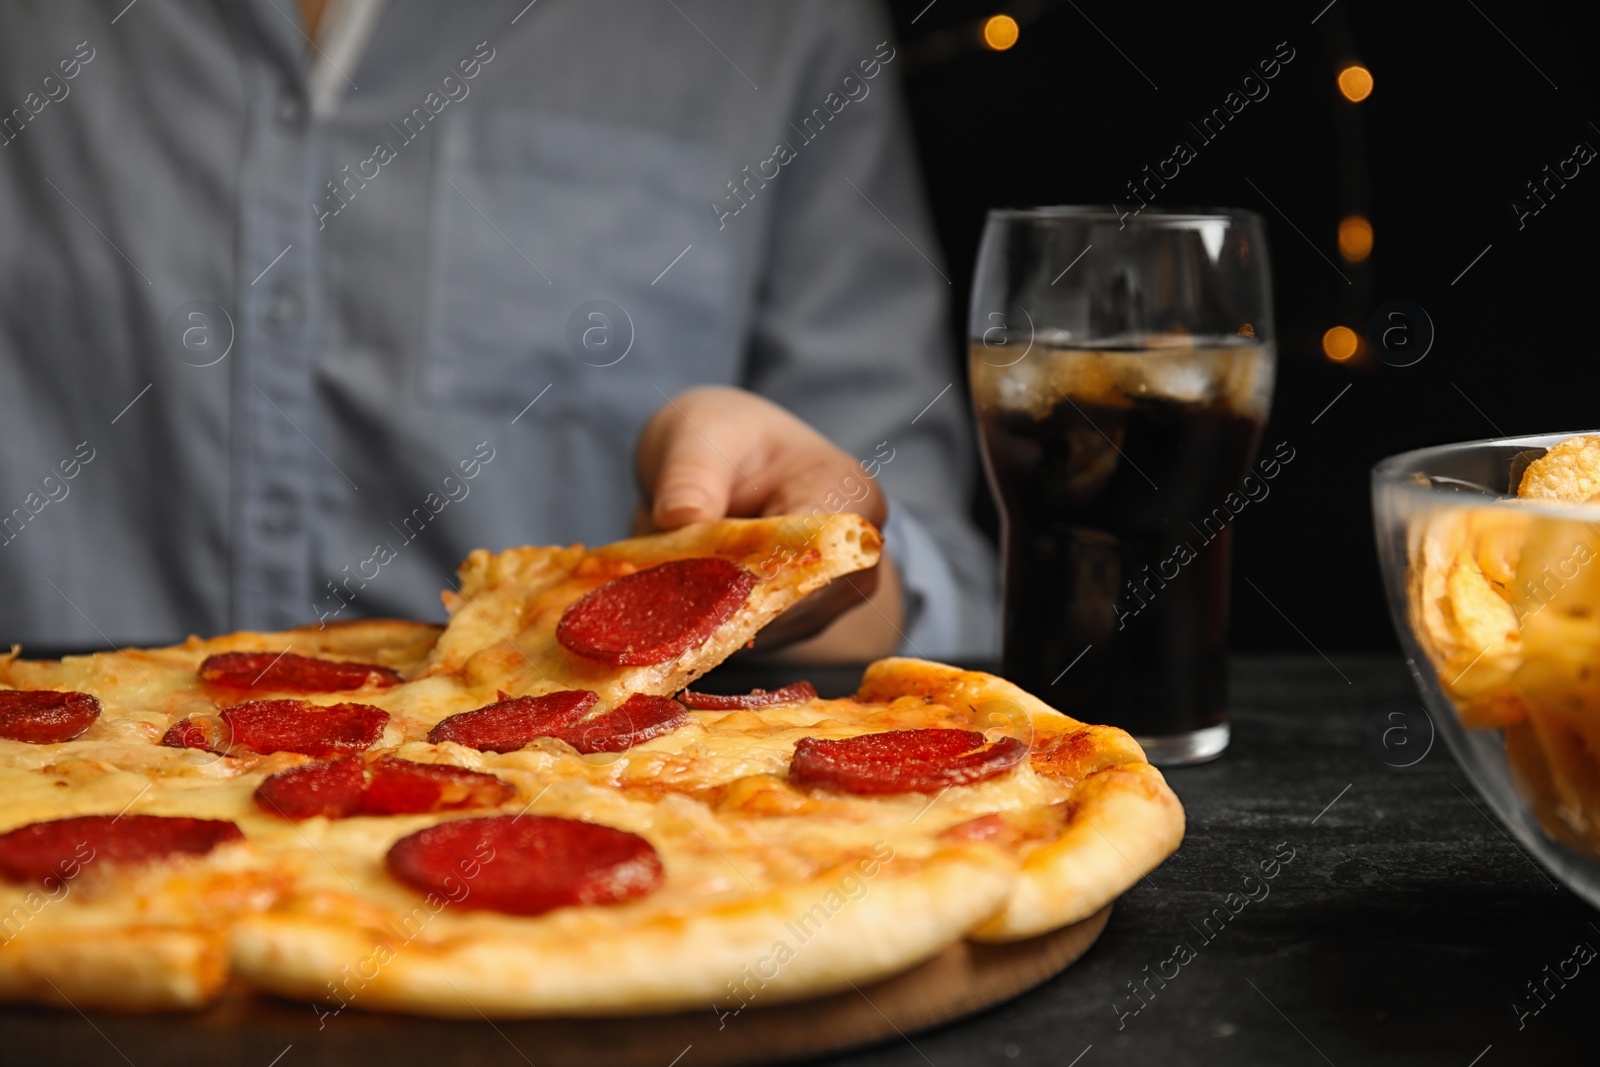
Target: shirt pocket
552	235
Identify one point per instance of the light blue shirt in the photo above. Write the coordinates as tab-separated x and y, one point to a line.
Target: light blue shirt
286	330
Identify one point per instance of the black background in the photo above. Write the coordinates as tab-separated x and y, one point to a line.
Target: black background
1469	103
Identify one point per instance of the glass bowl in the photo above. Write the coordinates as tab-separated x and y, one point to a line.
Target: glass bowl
1497	603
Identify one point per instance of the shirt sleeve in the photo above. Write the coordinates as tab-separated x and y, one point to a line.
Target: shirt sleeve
850	327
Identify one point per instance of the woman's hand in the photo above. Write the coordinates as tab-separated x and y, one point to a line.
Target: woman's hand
714	452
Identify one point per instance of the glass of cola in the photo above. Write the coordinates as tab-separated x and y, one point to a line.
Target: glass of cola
1121	369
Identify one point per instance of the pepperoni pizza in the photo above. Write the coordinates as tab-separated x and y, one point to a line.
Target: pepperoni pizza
527	813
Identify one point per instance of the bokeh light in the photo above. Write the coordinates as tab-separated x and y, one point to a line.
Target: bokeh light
1355	82
1355	238
1339	343
1000	32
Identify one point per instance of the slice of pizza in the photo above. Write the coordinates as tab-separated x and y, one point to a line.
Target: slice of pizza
645	615
933	749
1108	817
131	912
121	867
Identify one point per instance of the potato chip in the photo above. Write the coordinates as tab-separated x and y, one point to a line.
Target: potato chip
1574	777
1463	620
1496	536
1481	614
1494	709
1569	471
1435	543
1531	772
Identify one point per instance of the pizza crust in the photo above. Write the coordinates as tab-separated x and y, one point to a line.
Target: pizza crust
149	938
126	968
1123	822
1122	817
720	953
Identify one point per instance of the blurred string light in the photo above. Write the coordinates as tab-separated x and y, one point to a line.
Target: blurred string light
1355	238
1355	82
1340	343
1000	32
992	33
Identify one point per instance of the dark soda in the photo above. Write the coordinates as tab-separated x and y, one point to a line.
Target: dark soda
1115	534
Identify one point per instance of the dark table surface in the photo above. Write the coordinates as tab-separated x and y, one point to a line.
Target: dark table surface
1402	931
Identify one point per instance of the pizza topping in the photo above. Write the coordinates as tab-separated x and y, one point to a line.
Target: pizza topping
285	672
340	788
199	731
903	761
402	787
654	615
59	849
44	716
797	693
635	721
266	726
525	864
331	788
514	721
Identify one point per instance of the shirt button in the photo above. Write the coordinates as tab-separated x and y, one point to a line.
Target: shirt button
285	310
278	514
290	109
275	520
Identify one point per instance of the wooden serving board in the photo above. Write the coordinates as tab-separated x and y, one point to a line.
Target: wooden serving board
245	1030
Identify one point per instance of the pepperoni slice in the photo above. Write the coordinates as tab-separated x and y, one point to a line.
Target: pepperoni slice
266	726
339	788
633	722
512	722
654	615
44	716
402	787
331	788
58	849
756	698
286	672
525	864
903	761
189	733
